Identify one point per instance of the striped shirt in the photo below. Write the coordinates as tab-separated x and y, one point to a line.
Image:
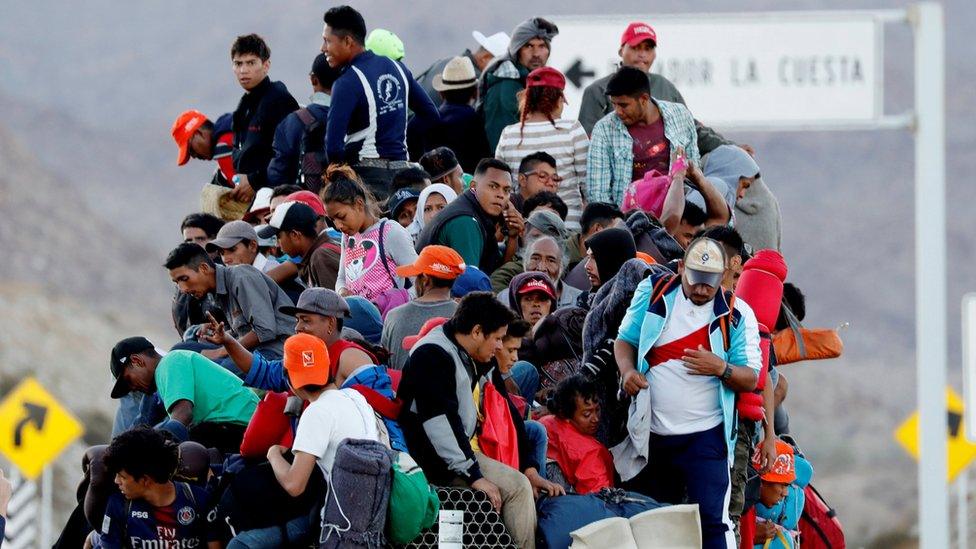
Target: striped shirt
566	142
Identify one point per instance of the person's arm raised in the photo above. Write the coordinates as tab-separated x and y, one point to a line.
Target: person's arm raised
214	333
717	209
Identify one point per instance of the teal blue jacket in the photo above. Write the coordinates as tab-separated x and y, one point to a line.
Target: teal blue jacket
641	328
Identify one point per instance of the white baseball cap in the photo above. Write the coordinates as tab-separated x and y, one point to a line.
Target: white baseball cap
705	262
497	43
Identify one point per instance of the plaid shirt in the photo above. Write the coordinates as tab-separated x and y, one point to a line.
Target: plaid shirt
610	161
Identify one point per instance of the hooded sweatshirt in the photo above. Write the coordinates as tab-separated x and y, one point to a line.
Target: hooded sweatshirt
520	281
505	77
727	164
611	248
418	217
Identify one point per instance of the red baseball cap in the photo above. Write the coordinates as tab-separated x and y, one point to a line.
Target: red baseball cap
537	285
309	199
546	76
410	341
638	32
185	126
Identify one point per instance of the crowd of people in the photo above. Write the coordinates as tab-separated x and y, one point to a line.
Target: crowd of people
443	278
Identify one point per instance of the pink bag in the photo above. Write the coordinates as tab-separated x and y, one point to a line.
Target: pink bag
647	194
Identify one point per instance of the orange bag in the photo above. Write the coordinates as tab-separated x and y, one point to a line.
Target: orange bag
798	343
498	439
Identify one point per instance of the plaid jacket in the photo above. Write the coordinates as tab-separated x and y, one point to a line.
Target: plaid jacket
610	161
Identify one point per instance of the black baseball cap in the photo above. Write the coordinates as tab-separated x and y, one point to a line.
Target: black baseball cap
439	162
290	216
120	359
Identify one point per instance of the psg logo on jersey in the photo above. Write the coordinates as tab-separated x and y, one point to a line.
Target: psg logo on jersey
186	515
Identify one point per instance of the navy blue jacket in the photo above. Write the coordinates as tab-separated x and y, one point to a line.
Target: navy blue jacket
370	102
283	169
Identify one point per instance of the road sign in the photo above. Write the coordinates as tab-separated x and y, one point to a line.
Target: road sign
21	529
960	451
34	428
737	69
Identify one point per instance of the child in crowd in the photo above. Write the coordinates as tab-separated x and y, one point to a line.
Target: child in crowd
775	499
584	462
372	247
150	509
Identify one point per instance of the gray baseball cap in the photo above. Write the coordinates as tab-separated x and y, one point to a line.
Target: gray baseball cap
230	234
319	301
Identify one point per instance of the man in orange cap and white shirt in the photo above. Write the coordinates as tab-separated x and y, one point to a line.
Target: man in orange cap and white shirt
198	137
332	416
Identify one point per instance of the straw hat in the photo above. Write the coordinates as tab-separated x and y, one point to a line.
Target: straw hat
215	200
458	74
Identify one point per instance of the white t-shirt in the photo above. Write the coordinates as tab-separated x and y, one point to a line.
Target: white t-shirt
338	414
683	403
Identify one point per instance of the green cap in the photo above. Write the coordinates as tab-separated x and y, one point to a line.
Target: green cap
385	43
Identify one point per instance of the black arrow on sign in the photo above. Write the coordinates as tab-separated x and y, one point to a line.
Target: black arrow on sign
35	414
576	73
955	422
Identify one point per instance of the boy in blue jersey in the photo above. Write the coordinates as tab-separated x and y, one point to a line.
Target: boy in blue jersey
150	509
367	125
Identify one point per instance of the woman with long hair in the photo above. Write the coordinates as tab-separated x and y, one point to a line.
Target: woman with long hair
541	128
372	246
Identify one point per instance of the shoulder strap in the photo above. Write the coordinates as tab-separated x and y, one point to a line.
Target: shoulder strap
380	240
726	319
662	286
188	492
386	407
307	118
125	524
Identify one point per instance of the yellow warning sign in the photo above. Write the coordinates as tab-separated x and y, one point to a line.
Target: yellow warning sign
960	450
34	428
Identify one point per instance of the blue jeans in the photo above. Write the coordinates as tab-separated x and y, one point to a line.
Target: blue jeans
526	376
539	441
137	409
297	530
695	464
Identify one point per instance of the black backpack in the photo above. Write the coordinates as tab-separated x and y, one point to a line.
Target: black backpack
245	482
311	152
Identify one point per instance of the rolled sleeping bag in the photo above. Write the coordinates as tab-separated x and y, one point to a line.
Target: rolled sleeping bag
761	287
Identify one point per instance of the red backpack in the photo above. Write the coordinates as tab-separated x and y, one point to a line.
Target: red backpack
819	526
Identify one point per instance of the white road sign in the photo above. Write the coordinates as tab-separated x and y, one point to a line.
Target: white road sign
742	70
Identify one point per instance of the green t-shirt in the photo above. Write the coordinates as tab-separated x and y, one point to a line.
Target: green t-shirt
463	234
217	395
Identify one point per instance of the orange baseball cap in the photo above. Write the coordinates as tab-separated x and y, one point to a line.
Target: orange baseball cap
183	129
783	470
435	260
307	361
410	341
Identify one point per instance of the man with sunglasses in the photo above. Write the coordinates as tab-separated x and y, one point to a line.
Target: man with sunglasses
536	174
